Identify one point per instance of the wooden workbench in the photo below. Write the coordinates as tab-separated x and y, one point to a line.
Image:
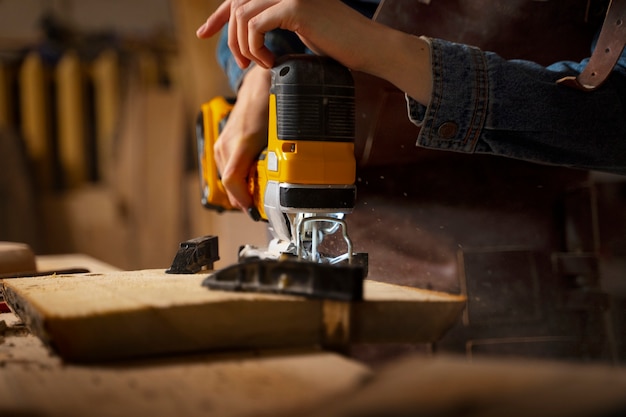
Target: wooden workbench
297	383
35	381
294	382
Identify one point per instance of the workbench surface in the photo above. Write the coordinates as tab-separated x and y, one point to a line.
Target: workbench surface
287	382
35	381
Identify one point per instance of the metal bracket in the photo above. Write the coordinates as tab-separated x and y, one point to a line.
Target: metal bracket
308	279
194	255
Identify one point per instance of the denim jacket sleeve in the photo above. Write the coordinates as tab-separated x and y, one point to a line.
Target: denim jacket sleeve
482	103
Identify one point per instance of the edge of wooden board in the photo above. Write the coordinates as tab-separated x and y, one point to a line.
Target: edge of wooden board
114	315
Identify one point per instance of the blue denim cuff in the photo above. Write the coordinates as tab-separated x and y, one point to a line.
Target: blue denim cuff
455	116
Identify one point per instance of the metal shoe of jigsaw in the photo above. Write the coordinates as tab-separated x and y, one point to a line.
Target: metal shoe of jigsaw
303	183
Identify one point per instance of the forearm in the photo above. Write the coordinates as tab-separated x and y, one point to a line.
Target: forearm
407	64
327	27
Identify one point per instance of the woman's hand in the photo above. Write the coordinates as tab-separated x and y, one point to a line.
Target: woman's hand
328	27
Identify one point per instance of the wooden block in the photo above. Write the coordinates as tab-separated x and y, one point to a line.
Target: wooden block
36	118
20	218
149	172
89	220
72	115
16	258
7	111
72	260
106	75
140	313
203	78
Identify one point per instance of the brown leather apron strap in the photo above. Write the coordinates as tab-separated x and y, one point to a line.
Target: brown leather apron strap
608	50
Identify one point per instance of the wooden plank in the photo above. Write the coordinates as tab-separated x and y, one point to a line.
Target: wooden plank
20	220
136	313
106	76
7	111
72	260
35	383
72	116
202	77
89	220
149	173
159	208
36	118
16	257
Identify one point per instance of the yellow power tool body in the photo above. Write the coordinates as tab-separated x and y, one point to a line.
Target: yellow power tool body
304	181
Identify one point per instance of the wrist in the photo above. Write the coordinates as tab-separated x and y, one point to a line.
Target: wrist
256	79
407	64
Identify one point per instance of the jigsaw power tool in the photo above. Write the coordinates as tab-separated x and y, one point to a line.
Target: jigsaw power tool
303	184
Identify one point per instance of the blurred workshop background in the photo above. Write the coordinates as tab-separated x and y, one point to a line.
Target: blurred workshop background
98	101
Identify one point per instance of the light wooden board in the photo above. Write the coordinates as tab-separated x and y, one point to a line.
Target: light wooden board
112	315
72	260
149	171
34	383
16	257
